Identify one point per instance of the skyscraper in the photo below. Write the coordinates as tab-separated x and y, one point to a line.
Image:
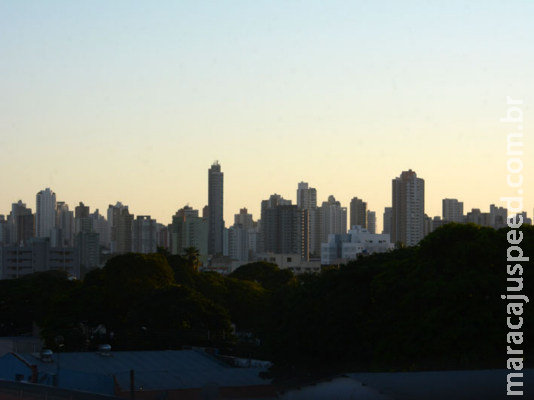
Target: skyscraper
452	210
45	216
358	213
215	209
408	211
284	227
64	224
21	223
121	228
371	222
307	200
386	221
333	218
144	238
306	196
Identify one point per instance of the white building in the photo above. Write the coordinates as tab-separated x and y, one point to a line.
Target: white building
45	217
293	262
333	218
342	248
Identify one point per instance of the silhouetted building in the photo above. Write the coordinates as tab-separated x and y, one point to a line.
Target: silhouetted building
306	196
452	210
121	228
332	218
101	226
144	235
215	209
307	200
244	219
45	216
358	212
371	222
386	222
498	216
284	227
64	225
20	223
37	256
408	210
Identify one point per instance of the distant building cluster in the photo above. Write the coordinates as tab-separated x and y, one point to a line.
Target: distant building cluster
301	236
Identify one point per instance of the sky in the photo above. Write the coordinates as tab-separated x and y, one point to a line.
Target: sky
133	101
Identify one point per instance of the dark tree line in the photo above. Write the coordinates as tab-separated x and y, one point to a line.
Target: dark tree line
434	306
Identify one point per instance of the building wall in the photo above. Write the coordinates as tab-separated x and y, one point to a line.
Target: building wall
408	199
215	209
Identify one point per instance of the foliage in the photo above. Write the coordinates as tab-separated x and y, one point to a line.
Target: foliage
434	306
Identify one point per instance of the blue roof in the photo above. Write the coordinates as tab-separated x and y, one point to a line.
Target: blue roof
154	370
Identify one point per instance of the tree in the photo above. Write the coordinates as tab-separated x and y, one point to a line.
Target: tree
192	256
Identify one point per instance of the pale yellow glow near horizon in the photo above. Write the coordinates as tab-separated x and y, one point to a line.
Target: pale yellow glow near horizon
107	103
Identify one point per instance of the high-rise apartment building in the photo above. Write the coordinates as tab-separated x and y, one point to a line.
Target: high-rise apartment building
332	218
358	213
498	216
45	216
215	209
101	226
386	222
244	219
408	211
307	200
144	238
121	228
306	196
371	222
64	225
284	228
452	210
20	223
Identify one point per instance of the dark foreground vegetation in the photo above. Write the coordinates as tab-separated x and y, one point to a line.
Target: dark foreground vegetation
434	306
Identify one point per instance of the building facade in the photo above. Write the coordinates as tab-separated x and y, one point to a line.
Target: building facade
215	209
408	210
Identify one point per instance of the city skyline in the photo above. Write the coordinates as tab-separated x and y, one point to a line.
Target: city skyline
129	102
230	214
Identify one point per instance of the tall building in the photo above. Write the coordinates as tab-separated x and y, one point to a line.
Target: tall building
358	213
307	200
178	229
144	235
45	216
4	232
371	222
88	249
20	223
189	230
386	222
244	219
452	210
284	227
101	226
333	218
498	216
82	220
306	196
121	228
215	209
64	225
238	243
408	211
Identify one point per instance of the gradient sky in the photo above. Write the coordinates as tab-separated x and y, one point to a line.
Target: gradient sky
132	101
